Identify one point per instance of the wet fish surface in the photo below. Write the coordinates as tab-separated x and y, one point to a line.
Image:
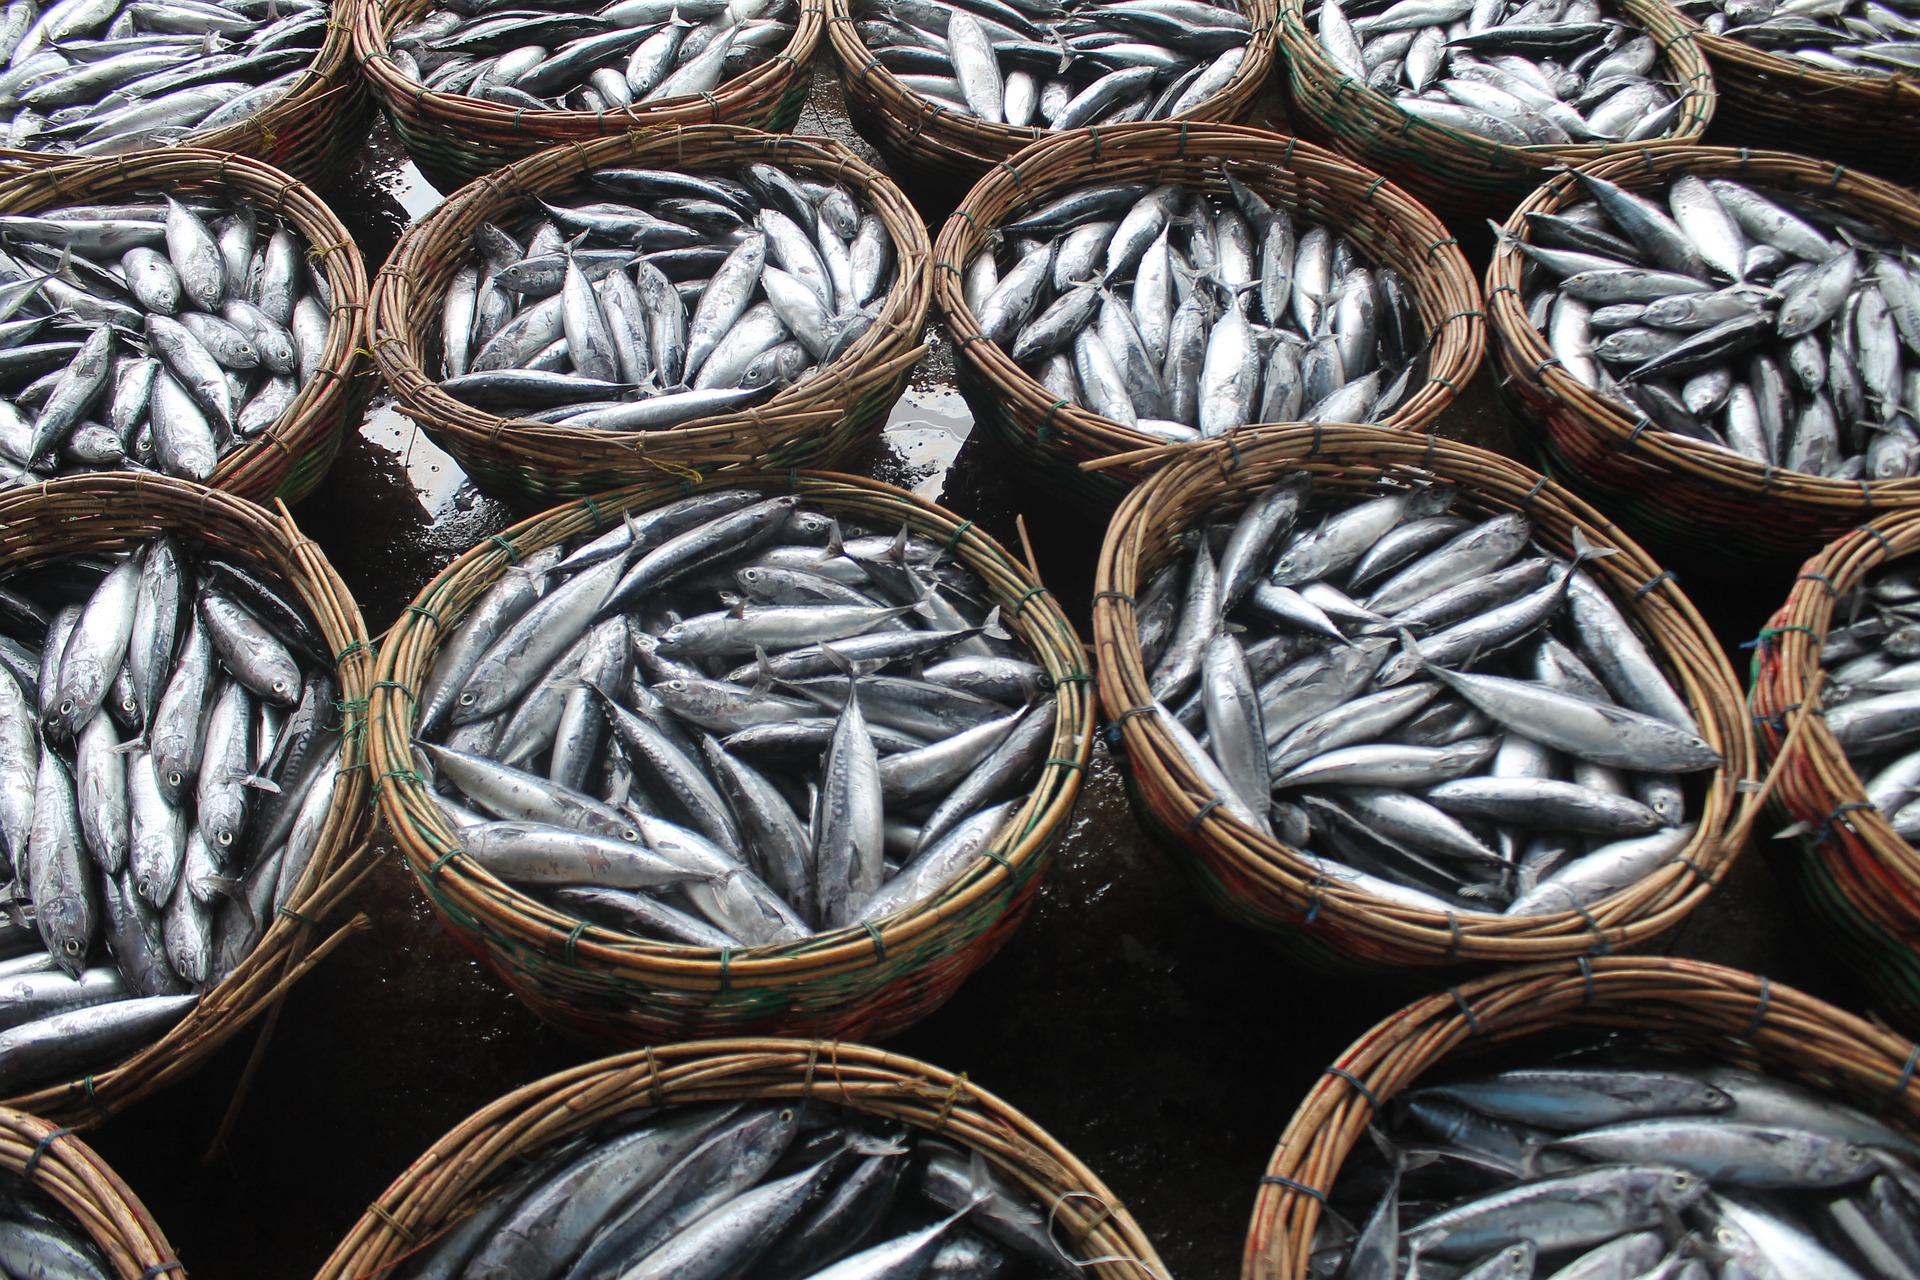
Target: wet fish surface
1428	708
732	721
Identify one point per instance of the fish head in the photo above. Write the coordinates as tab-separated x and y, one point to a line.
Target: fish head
65	921
1676	1188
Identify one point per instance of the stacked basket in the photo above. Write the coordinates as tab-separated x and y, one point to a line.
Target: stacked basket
79	1181
1254	879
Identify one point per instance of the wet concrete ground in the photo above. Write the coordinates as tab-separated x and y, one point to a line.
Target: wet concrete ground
1166	1048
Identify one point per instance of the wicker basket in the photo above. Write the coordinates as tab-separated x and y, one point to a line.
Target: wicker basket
1458	173
290	458
870	981
1252	878
310	131
1665	487
437	1190
820	422
72	1174
1769	100
107	512
1858	878
1684	1006
455	138
934	145
1086	455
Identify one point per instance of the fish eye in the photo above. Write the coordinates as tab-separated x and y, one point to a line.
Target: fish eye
466	699
66	707
1683	1180
71	946
173	778
786	1115
279	686
630	835
225	838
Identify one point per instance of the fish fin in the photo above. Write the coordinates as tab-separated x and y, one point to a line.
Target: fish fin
992	627
764	677
865	1145
1584	550
136	743
259	783
836	542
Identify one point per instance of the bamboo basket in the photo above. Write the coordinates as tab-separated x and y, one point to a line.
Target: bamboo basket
95	513
935	145
1769	100
441	1187
1458	173
310	131
1094	459
1683	1006
455	138
290	458
1662	486
1858	878
820	422
71	1173
1255	880
871	981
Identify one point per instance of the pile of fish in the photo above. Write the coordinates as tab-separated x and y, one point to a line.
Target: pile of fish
782	1191
688	295
1428	708
168	749
1521	72
1874	37
1585	1170
731	722
1035	63
547	56
38	1237
98	77
1181	314
155	337
1763	323
1872	691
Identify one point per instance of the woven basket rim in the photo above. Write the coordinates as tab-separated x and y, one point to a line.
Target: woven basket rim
985	143
63	1167
1524	350
424	834
1703	1003
1308	63
373	22
259	467
1803	75
404	311
1664	614
870	1080
91	512
1447	292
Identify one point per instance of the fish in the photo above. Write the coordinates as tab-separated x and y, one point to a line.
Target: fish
1061	67
1516	72
1739	286
170	822
1514	698
168	374
732	783
572	319
1164	314
1849	36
